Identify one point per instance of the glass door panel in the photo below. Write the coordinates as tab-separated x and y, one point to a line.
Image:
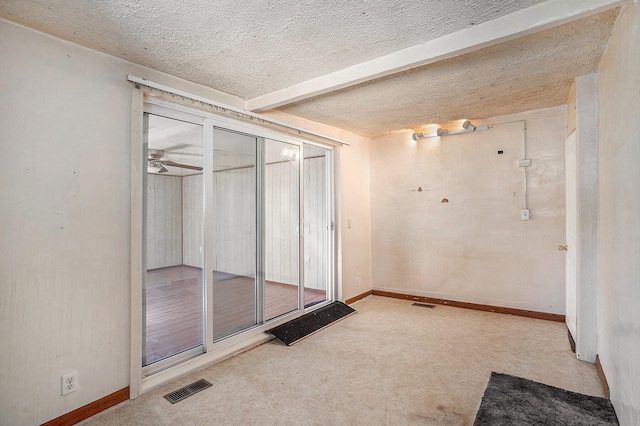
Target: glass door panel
282	232
234	229
317	224
173	292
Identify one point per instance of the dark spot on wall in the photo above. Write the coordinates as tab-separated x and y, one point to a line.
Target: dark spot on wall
444	200
500	152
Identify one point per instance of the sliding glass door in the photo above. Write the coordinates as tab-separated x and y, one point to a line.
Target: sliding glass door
173	291
256	226
282	228
234	226
237	232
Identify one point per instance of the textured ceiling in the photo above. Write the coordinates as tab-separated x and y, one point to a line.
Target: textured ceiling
253	47
531	72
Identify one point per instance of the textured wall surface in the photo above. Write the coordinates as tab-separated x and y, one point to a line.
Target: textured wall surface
446	214
64	272
619	223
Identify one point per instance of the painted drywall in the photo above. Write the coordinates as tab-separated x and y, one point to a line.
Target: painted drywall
65	225
619	222
571	215
446	214
587	216
64	255
581	179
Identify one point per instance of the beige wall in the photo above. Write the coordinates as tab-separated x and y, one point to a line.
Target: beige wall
355	219
64	253
475	247
64	262
619	222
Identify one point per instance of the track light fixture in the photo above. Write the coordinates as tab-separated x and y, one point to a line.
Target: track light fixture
467	126
418	136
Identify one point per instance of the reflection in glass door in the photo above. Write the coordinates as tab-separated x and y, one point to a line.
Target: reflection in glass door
317	224
234	232
282	228
173	291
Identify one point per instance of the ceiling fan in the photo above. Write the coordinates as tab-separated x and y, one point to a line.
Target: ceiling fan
155	163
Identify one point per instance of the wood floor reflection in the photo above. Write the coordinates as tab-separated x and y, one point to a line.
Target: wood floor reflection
175	310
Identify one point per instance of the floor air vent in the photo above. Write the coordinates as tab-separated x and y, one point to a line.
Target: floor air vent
424	305
187	391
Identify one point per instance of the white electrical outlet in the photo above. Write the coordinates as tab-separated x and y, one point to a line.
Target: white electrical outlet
357	282
525	214
70	382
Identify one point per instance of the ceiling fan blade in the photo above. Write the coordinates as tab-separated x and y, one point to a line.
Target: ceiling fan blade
177	147
183	166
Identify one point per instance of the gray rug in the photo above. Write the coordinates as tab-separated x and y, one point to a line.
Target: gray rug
510	400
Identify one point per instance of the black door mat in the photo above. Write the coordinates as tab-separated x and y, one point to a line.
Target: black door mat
297	329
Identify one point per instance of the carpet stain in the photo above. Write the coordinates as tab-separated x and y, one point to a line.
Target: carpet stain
445	417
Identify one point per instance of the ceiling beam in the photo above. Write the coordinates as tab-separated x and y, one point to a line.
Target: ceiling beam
540	17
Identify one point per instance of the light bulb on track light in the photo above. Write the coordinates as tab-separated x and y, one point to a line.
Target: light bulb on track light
467	125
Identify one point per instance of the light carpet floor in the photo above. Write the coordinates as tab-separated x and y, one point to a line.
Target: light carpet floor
390	364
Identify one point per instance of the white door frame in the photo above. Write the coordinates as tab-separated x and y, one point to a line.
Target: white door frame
586	249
